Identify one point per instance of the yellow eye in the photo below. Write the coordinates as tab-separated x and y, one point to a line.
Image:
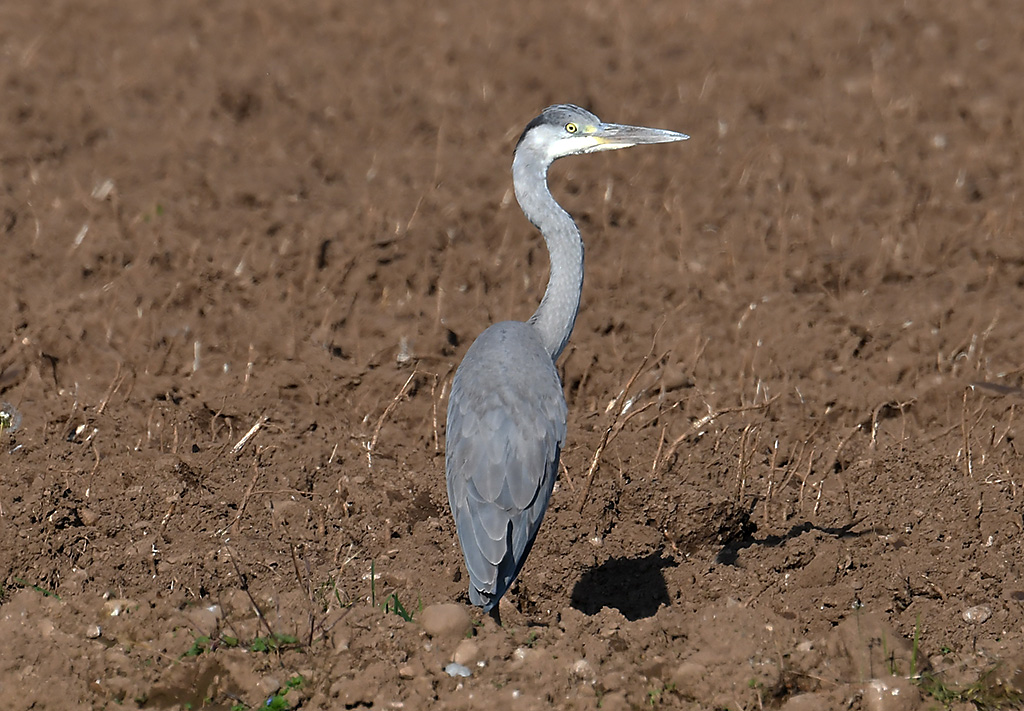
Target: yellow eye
571	128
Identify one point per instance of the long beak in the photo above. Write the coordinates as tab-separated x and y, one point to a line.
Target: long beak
610	136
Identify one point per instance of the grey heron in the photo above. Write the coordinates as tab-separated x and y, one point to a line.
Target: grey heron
506	411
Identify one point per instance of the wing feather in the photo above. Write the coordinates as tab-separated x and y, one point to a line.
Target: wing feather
506	427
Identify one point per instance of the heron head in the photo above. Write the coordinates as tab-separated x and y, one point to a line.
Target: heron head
566	130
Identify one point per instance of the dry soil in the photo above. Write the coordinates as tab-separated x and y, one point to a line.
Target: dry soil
244	245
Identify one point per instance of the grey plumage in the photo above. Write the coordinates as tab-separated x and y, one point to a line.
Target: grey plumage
506	412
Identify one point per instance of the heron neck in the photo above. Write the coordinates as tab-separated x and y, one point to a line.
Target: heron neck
556	315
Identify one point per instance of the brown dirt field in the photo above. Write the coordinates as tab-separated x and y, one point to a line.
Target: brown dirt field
289	221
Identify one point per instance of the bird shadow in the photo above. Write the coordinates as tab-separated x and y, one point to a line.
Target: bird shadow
634	586
730	552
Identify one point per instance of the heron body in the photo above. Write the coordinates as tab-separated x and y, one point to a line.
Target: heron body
503	442
506	411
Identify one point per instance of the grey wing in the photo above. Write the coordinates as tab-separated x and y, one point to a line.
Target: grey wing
502	449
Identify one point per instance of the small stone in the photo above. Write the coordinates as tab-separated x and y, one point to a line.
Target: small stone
977	614
454	669
117	606
467	653
88	516
891	694
445	620
406	672
93	632
269	685
583	670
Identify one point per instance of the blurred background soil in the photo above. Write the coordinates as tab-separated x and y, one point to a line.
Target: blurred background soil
244	246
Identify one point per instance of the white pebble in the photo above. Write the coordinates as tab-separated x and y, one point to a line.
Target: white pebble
977	614
454	669
582	670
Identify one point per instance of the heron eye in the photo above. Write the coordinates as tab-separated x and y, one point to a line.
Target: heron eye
571	128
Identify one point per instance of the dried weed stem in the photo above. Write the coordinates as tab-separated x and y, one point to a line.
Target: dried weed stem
621	414
372	444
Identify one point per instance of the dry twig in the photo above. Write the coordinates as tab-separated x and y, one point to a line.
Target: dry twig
115	384
621	408
387	411
246	437
707	419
